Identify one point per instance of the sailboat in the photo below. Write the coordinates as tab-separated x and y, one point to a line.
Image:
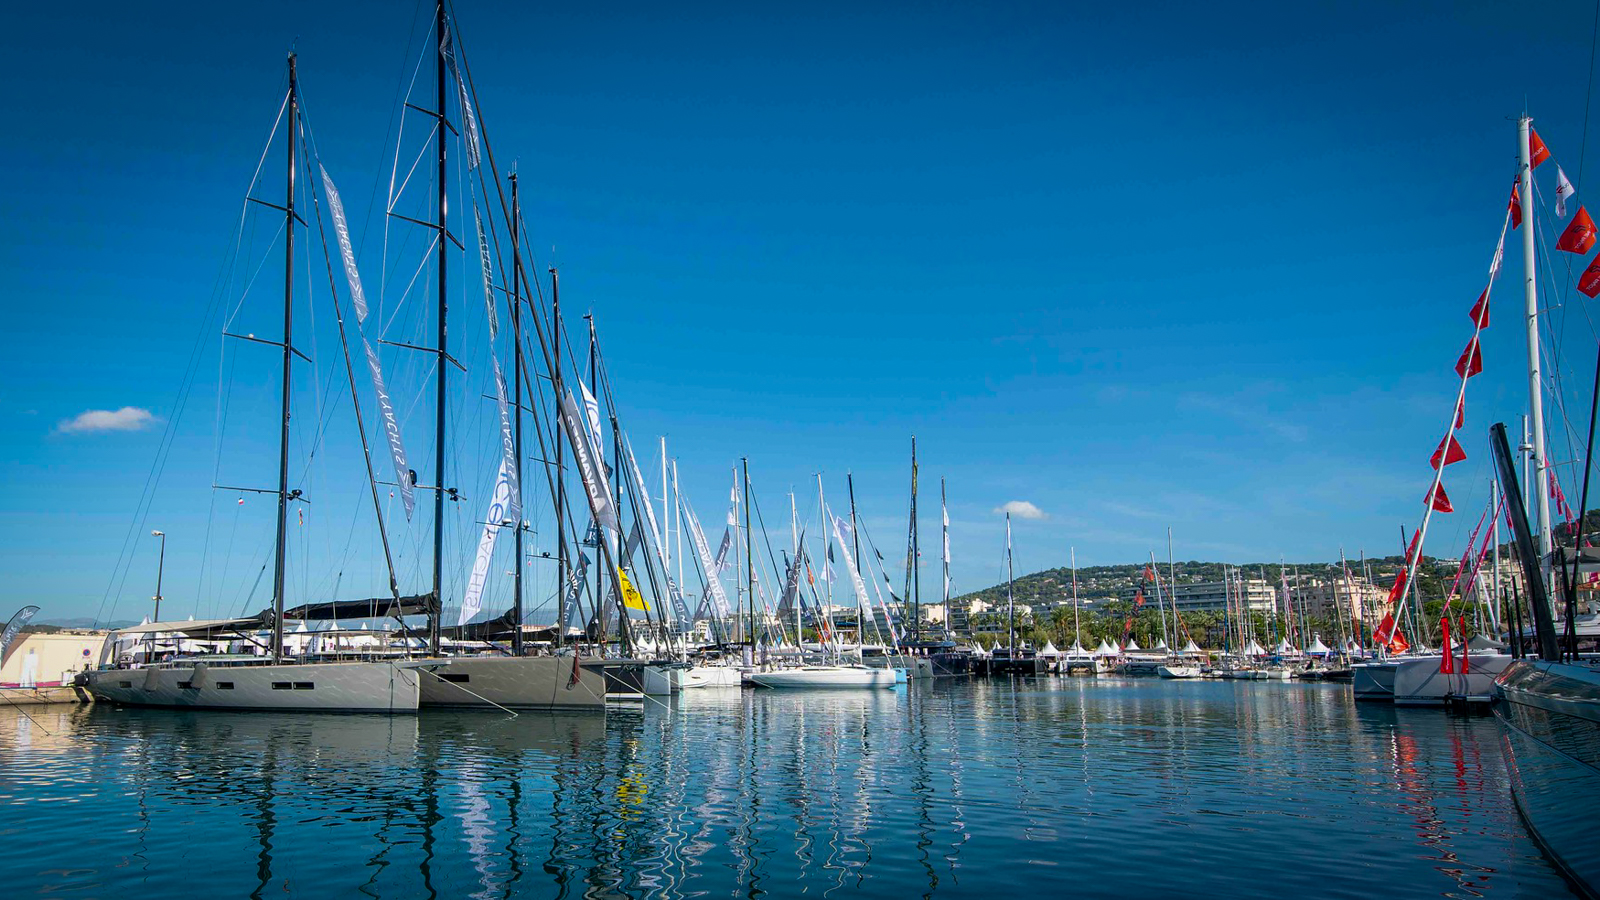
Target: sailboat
276	681
1549	705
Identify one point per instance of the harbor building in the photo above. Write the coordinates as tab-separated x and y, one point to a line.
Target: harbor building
1338	597
1256	594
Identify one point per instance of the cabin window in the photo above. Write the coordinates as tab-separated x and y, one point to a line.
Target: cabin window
224	685
305	685
456	678
126	684
187	686
282	686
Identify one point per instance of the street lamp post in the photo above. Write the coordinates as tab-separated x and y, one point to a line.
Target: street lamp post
161	565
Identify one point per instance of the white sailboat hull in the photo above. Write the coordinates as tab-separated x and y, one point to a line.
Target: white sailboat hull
385	687
527	682
1179	671
1418	682
712	677
826	677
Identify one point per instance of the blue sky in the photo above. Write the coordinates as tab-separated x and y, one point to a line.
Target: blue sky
1206	268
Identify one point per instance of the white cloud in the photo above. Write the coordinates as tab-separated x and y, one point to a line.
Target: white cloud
1022	509
128	418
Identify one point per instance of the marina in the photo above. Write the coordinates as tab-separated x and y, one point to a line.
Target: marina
550	480
1102	787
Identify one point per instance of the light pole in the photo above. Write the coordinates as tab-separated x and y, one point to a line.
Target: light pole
161	564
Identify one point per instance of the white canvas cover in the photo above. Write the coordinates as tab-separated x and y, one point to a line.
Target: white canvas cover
1317	646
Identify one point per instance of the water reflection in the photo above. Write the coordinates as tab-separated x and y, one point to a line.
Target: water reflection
948	789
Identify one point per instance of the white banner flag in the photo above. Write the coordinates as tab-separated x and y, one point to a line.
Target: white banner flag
391	430
508	444
461	94
486	266
591	412
493	521
590	467
863	600
698	537
1564	190
341	231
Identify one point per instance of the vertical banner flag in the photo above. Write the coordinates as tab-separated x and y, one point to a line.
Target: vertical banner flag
590	468
576	578
472	601
711	566
341	231
508	446
840	526
486	266
23	617
391	430
591	412
449	55
1564	191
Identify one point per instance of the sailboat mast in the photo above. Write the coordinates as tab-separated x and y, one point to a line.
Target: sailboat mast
916	552
1011	606
944	555
561	480
443	365
1077	628
749	561
280	548
516	437
855	538
1172	586
1531	298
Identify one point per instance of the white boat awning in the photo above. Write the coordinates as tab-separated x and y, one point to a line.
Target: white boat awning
193	626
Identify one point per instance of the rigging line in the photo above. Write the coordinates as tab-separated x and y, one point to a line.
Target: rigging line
399	140
422	266
1551	350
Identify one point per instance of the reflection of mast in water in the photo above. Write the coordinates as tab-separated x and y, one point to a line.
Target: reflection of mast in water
922	787
266	822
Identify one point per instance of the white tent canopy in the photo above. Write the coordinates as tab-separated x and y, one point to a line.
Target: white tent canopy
1105	649
1317	646
1284	648
1049	649
1161	644
1190	647
1254	649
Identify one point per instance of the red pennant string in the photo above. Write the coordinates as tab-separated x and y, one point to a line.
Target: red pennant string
1449	452
1471	361
1438	499
1579	236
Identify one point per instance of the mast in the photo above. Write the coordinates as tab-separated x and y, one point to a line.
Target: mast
916	552
289	217
561	481
1531	295
855	538
1160	604
749	561
1077	628
1172	587
1011	606
443	364
944	555
516	440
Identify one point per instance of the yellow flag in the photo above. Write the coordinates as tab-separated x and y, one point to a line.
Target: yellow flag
630	594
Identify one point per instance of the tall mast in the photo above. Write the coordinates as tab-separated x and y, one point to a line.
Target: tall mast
916	552
288	344
666	516
855	538
561	480
1011	606
1172	586
944	555
516	363
443	365
1535	393
1161	604
1077	630
749	561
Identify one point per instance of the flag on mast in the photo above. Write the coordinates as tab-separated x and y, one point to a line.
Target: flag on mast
1564	191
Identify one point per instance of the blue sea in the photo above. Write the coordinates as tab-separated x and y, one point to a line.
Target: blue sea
982	788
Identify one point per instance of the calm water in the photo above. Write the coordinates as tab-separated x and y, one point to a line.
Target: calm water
1101	788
